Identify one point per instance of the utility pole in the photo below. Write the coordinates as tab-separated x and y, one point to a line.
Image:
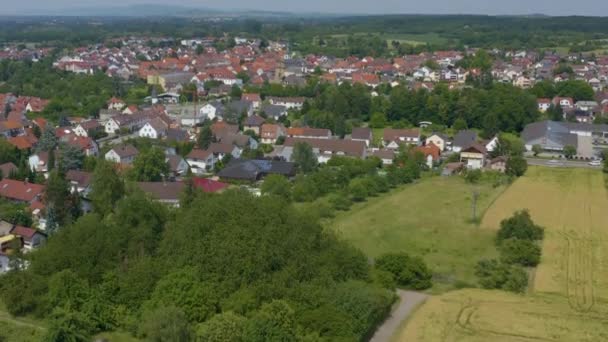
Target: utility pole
475	196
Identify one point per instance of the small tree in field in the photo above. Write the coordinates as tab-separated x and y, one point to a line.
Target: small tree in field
519	226
537	149
516	166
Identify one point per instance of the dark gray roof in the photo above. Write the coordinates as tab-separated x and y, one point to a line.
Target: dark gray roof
274	111
559	132
255	169
465	138
177	135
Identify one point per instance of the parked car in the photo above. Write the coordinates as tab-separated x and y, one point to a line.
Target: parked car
595	163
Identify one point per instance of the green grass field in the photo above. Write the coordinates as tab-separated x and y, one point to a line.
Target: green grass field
431	219
568	299
19	329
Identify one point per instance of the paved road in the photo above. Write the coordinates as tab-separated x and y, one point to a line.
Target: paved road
561	163
408	302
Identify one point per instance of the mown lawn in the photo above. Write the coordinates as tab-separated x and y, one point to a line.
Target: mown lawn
431	219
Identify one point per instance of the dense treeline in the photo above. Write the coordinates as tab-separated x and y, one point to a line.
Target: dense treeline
456	31
70	93
224	267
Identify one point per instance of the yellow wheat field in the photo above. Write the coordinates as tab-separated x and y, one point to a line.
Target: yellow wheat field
568	299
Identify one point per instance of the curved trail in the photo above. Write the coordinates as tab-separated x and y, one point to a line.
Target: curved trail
408	302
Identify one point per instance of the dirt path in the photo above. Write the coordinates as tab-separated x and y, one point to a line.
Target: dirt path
5	317
408	301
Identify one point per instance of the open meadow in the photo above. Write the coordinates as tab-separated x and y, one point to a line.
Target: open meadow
568	296
432	219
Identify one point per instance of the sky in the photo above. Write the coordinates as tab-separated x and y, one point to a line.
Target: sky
492	7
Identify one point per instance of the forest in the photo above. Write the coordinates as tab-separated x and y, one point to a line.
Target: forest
227	267
309	34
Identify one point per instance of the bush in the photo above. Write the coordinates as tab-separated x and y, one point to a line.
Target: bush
472	176
519	226
409	272
497	275
339	201
358	189
522	252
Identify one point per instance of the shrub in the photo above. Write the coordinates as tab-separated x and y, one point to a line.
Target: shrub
409	272
519	226
516	166
358	189
494	274
522	252
472	176
339	201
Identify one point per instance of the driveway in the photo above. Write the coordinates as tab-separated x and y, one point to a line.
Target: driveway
408	302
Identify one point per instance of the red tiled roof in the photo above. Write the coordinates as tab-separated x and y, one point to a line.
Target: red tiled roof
19	190
208	185
26	232
199	154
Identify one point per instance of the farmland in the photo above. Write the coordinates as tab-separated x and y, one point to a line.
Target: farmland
568	296
431	219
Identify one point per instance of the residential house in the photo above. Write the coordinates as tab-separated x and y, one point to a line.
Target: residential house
87	128
308	132
438	139
253	123
564	102
21	191
473	156
208	185
269	133
543	104
163	192
255	99
274	111
210	109
255	170
463	139
325	149
387	156
200	161
30	237
497	164
123	154
128	122
80	182
288	102
393	138
86	144
431	153
177	135
586	105
177	165
116	104
362	134
154	129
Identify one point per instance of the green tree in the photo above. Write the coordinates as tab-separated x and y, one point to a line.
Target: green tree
378	120
224	327
516	166
48	140
68	326
537	149
57	196
459	124
277	185
493	274
519	226
569	151
522	252
303	157
150	166
106	188
165	324
409	272
72	157
275	321
472	176
205	137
